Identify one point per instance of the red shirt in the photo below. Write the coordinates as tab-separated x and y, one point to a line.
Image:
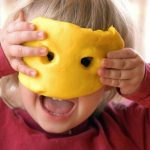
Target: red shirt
124	126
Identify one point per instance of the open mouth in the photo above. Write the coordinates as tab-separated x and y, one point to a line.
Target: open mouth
57	107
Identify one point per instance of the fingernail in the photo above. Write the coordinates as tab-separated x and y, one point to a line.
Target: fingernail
31	27
109	54
33	73
99	72
41	35
102	62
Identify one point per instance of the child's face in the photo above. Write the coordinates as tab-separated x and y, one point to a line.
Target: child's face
62	115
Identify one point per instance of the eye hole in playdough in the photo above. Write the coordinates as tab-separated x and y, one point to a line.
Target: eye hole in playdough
86	61
50	56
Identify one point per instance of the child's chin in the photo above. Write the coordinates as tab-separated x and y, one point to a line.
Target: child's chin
56	127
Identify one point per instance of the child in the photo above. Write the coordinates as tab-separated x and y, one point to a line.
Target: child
27	126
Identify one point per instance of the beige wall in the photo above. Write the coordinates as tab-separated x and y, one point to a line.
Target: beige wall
140	10
147	33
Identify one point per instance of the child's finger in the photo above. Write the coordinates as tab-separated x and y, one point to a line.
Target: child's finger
114	82
123	53
116	74
126	86
23	51
20	26
120	63
18	65
25	36
21	16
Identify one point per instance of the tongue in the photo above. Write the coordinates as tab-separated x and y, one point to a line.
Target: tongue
57	106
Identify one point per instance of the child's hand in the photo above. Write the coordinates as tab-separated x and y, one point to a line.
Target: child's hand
124	69
16	33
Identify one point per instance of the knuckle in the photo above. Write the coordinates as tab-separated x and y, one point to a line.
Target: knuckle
13	37
22	36
18	67
27	36
18	26
125	75
14	51
123	64
11	51
11	27
140	61
20	51
26	25
120	74
104	80
107	72
34	35
116	82
28	51
22	69
14	65
110	63
133	63
27	71
129	51
116	74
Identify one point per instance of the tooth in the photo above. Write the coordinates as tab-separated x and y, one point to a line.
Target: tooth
54	98
56	114
59	99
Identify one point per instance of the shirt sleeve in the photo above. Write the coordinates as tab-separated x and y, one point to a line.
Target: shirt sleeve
5	68
142	95
132	114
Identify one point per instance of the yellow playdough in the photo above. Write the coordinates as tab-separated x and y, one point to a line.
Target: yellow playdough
75	54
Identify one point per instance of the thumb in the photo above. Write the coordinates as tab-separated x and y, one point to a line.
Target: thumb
21	16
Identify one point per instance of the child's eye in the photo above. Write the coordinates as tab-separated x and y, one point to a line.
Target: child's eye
50	56
86	61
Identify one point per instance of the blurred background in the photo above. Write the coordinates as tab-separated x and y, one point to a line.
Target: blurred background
140	10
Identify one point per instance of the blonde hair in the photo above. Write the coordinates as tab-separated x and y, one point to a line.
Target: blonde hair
95	14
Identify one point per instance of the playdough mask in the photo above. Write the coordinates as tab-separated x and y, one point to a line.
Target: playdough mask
70	68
